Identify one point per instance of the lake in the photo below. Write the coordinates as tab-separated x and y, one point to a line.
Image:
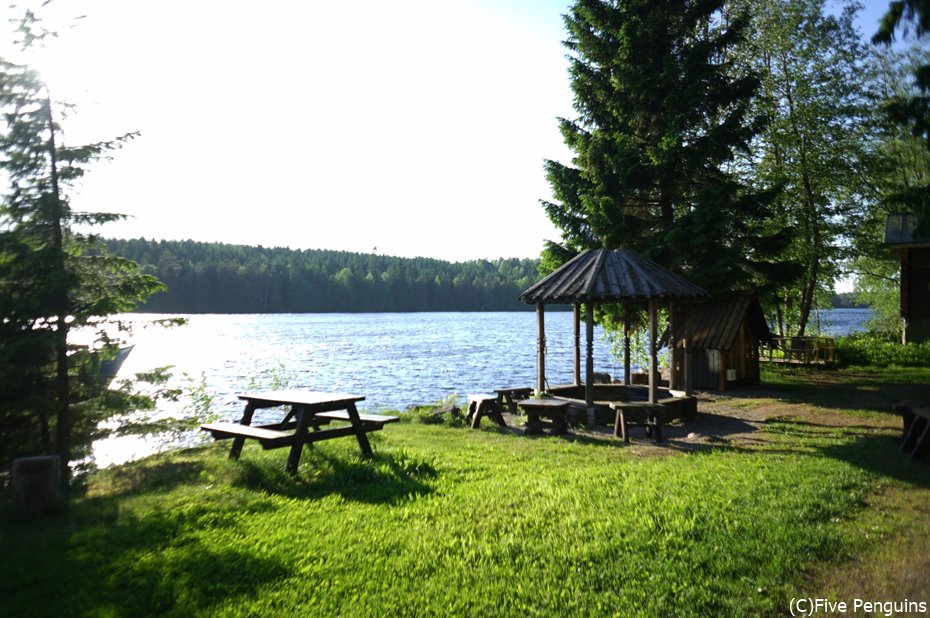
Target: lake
395	360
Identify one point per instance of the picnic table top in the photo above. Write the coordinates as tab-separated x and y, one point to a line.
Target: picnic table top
518	389
300	397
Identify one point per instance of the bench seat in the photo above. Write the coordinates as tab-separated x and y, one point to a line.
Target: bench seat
342	415
268	438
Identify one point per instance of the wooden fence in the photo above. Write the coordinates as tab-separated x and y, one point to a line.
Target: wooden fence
799	351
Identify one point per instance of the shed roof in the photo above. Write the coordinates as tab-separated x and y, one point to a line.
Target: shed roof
715	325
602	275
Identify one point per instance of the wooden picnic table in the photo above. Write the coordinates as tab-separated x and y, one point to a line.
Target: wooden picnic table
553	409
511	396
307	410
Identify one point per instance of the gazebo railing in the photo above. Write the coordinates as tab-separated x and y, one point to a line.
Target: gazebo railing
816	350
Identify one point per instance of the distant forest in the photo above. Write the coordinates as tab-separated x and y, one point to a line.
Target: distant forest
220	278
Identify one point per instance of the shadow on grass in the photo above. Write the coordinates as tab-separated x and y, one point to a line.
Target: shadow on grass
384	478
873	390
147	476
104	560
881	455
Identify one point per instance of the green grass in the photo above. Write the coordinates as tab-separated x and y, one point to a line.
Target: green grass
450	521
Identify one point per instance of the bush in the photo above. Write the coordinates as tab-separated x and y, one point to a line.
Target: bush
868	350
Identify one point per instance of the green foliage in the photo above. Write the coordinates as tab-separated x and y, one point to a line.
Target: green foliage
815	93
219	278
869	350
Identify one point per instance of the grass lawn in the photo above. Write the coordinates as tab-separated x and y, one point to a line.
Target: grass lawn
814	499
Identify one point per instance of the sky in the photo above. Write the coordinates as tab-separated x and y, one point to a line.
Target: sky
407	128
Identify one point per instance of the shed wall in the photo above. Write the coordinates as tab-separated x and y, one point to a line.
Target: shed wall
709	365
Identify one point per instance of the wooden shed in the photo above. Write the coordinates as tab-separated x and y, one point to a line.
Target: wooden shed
723	338
914	251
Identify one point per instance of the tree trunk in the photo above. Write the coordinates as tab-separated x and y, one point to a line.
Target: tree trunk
62	384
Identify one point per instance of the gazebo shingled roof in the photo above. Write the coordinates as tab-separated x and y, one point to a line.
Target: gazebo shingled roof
601	275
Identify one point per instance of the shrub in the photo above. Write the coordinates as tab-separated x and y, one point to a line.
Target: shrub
862	349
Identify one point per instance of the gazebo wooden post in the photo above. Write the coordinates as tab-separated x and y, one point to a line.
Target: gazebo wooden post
540	348
576	311
589	364
672	321
687	365
626	344
653	364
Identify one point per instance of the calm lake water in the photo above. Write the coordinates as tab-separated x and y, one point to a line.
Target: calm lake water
395	360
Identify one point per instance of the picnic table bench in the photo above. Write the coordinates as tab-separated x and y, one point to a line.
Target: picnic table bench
308	410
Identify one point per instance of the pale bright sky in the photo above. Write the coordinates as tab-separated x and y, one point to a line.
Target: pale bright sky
415	126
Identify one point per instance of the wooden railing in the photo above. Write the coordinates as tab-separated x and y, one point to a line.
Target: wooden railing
799	351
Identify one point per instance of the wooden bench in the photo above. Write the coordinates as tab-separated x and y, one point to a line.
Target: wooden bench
508	398
483	405
378	420
268	438
916	422
637	413
553	409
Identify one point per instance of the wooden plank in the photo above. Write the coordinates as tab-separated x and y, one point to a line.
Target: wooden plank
269	438
342	415
339	432
914	434
300	431
923	442
311	400
239	441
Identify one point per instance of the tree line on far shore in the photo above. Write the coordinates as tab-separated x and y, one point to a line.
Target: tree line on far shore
221	278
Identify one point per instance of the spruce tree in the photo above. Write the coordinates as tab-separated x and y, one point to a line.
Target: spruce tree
662	110
54	279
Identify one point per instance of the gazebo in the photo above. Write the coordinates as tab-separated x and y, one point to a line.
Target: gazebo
605	276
